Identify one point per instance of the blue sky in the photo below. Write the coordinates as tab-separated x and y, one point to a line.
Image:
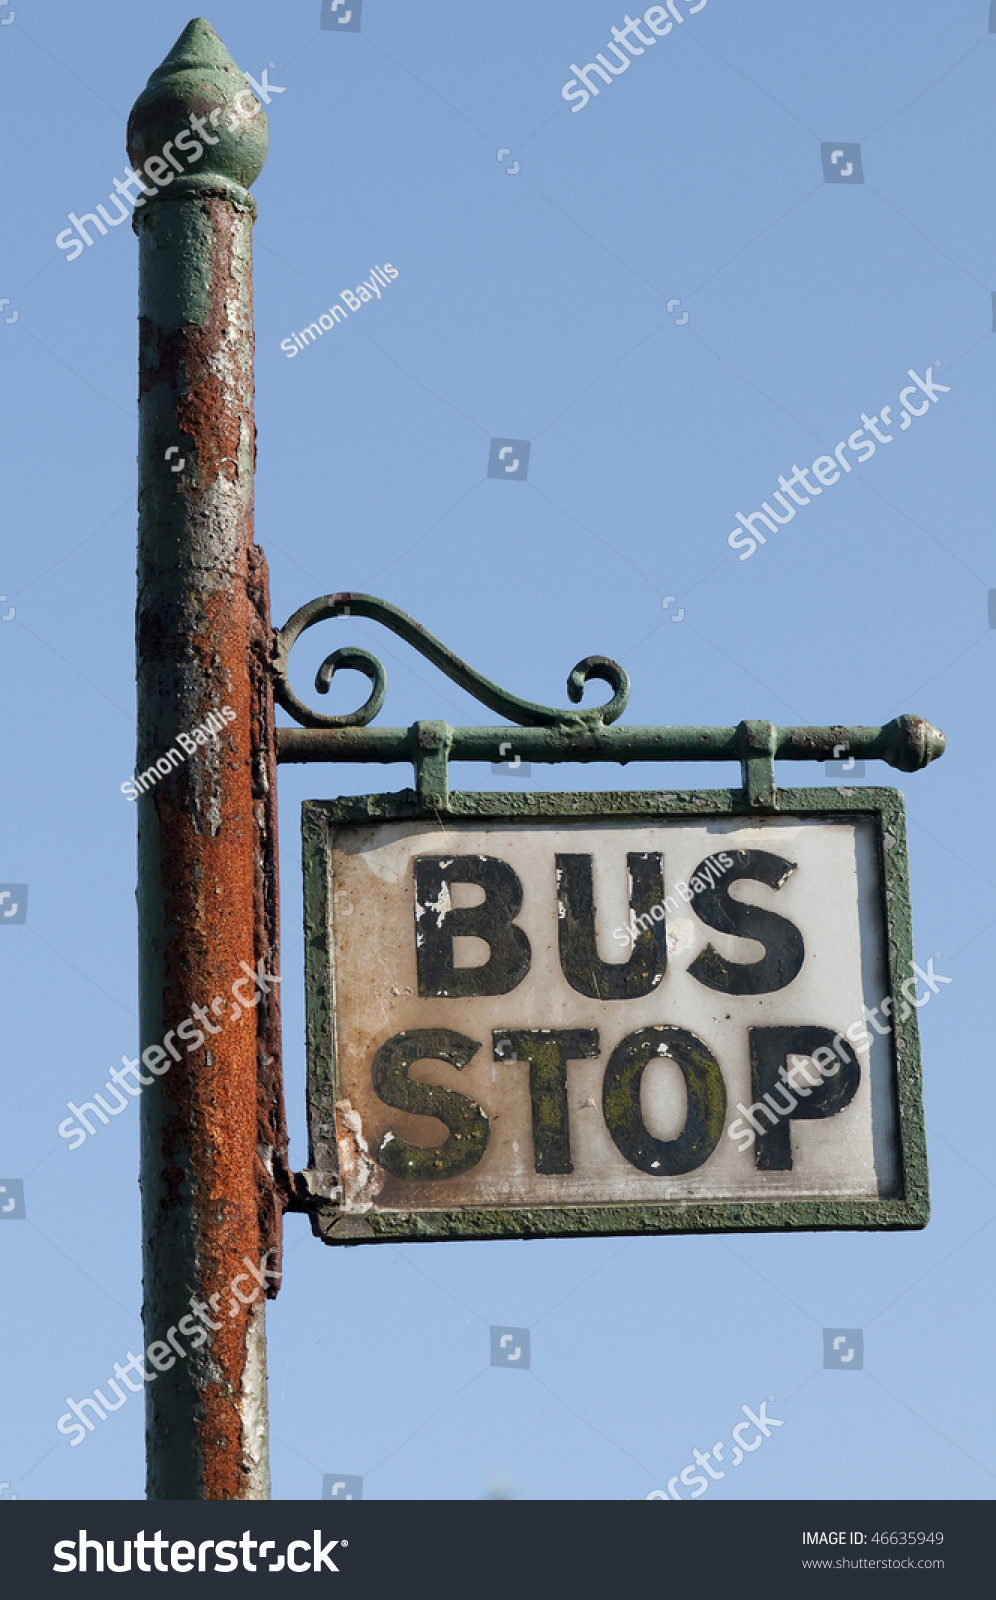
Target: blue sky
529	305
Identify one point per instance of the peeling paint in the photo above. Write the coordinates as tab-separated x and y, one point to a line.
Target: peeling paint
362	1178
441	906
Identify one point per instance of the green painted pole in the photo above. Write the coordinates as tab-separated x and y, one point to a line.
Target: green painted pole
213	1158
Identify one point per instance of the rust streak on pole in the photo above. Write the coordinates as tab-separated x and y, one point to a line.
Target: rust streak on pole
214	1140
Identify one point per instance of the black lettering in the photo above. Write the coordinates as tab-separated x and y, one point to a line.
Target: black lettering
783	1095
784	950
438	923
580	962
705	1089
468	1124
548	1051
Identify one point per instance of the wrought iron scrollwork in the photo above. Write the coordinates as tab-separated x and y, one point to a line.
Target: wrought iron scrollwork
508	706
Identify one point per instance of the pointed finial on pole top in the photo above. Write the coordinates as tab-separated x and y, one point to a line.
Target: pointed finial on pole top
198	96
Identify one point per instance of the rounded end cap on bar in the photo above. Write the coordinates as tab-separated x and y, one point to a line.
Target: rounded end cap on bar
916	743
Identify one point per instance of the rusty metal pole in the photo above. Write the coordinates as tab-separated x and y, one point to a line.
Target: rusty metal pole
213	1160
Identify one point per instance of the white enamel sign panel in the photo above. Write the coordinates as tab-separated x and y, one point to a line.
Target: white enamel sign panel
664	1012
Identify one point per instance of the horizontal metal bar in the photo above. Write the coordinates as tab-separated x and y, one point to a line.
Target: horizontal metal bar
907	743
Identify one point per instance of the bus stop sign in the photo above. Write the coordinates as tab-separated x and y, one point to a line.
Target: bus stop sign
616	1014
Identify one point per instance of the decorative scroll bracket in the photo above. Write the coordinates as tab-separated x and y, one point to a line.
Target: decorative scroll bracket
507	705
546	733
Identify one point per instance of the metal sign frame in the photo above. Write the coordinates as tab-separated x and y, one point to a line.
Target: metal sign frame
886	809
551	735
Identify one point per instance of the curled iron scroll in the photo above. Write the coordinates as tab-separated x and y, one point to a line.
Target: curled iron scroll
499	700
